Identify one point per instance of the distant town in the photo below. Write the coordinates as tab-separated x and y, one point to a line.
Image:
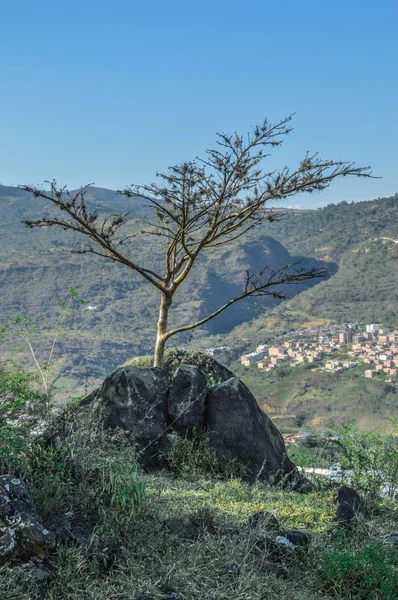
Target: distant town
371	344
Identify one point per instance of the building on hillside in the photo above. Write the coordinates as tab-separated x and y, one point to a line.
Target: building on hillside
350	365
389	363
372	328
345	337
276	351
369	374
389	371
333	365
276	360
262	348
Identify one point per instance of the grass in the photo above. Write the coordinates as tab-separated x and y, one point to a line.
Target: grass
227	559
236	501
129	545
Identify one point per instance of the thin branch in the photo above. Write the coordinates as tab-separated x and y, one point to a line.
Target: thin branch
83	222
254	287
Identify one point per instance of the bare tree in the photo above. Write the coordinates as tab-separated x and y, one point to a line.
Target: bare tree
201	205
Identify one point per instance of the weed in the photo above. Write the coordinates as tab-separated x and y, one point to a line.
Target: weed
371	460
17	396
370	571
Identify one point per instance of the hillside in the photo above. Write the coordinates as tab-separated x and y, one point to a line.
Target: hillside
121	310
355	241
361	239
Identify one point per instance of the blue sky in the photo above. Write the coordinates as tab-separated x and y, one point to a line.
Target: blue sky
112	91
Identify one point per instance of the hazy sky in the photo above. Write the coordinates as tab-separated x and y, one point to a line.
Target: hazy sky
111	91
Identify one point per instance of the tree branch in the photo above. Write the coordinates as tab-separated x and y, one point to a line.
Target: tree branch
254	287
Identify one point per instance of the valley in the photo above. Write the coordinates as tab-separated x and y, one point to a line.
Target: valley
355	242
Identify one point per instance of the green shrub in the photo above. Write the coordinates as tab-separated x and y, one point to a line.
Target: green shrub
17	395
119	491
371	459
92	476
362	573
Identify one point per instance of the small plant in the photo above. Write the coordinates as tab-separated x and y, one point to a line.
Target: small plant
311	453
16	398
371	460
25	331
212	381
120	492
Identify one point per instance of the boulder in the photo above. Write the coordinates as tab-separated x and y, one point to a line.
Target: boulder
238	428
186	401
23	535
135	399
348	504
150	403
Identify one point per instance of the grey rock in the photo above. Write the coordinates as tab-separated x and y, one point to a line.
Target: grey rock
391	538
135	399
348	504
153	406
37	573
283	541
22	532
186	401
296	537
238	428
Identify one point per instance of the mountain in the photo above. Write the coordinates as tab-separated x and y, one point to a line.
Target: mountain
120	315
362	240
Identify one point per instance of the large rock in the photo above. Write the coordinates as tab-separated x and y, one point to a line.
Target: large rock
22	533
186	402
135	399
150	403
238	428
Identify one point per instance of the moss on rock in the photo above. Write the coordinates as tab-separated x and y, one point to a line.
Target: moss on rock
174	357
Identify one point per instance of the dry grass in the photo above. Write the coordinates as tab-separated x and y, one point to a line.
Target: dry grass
228	559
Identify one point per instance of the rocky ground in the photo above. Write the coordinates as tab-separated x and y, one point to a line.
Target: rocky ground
172	484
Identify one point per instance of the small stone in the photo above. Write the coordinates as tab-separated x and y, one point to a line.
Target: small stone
349	503
283	541
297	538
22	533
391	539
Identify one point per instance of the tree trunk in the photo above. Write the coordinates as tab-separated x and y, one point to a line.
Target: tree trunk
160	345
